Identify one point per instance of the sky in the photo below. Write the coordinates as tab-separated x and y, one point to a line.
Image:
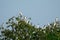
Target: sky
41	11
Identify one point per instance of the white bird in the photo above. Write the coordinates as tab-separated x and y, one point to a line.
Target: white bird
25	19
38	26
48	24
44	31
44	27
57	19
20	13
34	32
54	23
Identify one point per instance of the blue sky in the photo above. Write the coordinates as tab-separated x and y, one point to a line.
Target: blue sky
40	11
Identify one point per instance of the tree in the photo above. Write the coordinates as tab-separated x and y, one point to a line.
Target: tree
20	28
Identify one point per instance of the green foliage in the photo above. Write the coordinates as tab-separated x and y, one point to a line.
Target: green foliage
19	29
